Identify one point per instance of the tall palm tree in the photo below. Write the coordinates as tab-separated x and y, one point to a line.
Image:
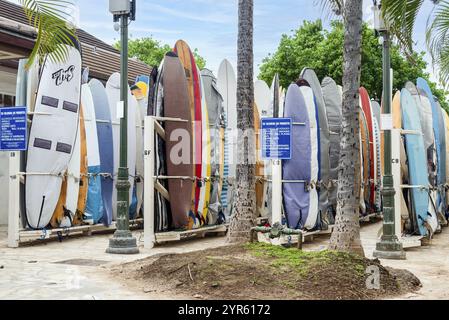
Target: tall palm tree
245	201
346	235
400	17
53	21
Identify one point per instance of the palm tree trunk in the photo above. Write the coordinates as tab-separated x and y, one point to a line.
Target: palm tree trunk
242	219
346	235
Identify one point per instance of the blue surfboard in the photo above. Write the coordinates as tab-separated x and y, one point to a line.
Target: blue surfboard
417	159
438	129
300	196
104	129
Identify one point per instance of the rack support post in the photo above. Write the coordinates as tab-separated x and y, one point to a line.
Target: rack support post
14	200
149	156
276	192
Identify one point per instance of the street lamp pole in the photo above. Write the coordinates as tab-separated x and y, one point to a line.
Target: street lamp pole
389	247
123	241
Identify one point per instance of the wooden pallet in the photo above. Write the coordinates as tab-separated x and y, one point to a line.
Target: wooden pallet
34	236
170	236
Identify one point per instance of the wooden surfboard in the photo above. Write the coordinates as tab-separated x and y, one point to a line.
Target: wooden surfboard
259	162
187	60
83	183
177	105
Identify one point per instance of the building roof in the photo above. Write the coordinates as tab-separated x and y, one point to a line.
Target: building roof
17	37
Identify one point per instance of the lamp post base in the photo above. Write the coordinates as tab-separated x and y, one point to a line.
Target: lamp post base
123	242
390	249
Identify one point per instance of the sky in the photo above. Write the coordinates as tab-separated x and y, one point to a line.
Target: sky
211	25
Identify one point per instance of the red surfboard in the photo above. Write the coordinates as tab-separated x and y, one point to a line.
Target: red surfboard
188	61
366	106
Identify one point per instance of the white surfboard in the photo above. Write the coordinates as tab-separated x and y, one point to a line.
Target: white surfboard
263	100
113	92
227	85
52	136
139	159
90	122
93	150
262	97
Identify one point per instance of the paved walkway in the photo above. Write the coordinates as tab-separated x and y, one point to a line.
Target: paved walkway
78	268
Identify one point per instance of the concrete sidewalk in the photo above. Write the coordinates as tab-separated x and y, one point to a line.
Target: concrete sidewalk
75	268
78	268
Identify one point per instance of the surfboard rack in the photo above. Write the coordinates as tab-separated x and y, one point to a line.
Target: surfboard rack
19	235
408	241
152	128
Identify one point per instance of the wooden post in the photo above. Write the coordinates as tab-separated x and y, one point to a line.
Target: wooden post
149	157
14	200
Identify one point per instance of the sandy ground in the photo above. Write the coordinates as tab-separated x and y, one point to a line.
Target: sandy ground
45	272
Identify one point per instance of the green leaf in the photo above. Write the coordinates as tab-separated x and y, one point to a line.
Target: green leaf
52	20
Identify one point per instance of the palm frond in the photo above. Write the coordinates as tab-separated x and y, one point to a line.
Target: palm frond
400	18
55	31
332	7
437	35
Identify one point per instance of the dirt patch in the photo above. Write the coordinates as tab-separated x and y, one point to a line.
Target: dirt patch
258	271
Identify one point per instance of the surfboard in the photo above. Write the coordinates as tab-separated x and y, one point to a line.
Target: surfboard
106	148
94	203
324	163
333	102
161	205
139	162
259	163
416	160
438	136
187	60
378	196
152	91
446	125
140	91
227	85
443	159
362	205
49	151
263	101
282	102
113	93
21	100
376	110
179	158
365	149
275	111
262	98
32	85
66	210
300	197
83	182
397	124
425	113
206	169
276	92
366	106
214	102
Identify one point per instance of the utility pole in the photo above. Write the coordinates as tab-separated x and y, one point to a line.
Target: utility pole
389	247
123	241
